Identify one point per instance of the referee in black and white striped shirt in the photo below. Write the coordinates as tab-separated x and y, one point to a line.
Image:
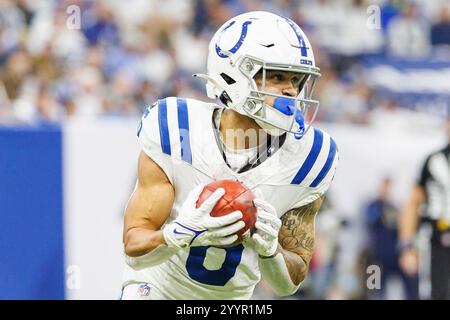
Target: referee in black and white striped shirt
433	190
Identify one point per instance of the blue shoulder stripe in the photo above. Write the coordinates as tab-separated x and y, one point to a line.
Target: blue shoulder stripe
327	166
163	126
311	159
183	124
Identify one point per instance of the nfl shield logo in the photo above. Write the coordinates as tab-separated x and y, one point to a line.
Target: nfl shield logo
144	289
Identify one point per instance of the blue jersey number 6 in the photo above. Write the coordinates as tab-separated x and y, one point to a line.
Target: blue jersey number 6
196	270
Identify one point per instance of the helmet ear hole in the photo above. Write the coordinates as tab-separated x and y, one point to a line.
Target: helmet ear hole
227	78
225	98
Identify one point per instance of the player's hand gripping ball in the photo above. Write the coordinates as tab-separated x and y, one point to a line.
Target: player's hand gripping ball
237	197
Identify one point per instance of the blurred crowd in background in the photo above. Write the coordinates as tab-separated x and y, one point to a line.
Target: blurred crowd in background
124	55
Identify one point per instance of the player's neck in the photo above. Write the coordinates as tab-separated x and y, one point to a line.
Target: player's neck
240	132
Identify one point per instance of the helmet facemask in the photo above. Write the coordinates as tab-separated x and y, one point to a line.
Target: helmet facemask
288	114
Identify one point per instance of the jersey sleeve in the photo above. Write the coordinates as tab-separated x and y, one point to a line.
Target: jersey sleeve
316	173
311	194
151	134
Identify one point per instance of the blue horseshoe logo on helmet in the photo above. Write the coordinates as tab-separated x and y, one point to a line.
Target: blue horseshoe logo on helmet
238	44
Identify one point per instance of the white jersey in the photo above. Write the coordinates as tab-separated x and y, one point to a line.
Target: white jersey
178	134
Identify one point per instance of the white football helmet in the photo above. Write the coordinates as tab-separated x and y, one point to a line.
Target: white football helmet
261	41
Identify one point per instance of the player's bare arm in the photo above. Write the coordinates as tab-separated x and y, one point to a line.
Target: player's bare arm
409	218
407	228
147	209
296	239
147	243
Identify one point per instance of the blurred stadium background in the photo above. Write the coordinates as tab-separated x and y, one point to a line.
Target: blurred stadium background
71	95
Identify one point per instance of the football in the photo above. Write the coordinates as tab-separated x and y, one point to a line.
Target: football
237	197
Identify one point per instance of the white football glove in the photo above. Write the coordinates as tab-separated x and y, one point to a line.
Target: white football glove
195	227
265	238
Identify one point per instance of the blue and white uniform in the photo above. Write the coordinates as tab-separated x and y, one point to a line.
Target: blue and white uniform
178	134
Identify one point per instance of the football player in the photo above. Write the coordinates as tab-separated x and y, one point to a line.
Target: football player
261	67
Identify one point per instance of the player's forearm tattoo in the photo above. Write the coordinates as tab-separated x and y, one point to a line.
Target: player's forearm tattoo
297	231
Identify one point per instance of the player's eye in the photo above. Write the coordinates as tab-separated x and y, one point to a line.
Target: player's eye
296	81
278	77
299	81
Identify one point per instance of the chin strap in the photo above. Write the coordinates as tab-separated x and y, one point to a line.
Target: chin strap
283	110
